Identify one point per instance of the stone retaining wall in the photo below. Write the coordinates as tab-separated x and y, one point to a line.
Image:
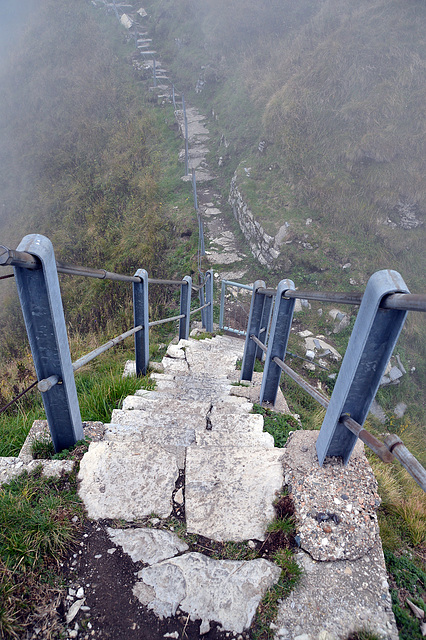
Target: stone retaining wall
264	247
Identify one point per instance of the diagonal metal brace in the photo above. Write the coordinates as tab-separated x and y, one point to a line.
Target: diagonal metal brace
278	338
41	304
370	347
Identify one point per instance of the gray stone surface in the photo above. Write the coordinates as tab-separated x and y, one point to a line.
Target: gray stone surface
148	545
229	492
231	590
336	505
11	468
118	481
334	599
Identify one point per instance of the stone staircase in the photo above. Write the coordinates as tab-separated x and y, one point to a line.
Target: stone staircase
191	444
192	448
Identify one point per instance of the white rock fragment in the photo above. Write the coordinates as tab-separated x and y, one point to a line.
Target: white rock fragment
74	609
148	545
230	595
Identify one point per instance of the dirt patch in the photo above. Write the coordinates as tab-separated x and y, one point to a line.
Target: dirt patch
113	612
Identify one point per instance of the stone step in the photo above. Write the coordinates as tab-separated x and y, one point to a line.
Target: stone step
162	398
218	422
165	404
229	493
181	436
143	419
118	481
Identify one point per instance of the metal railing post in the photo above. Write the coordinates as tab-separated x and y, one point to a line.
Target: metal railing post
253	328
202	302
154	71
264	324
209	300
185	122
222	304
370	346
277	345
41	303
185	308
141	317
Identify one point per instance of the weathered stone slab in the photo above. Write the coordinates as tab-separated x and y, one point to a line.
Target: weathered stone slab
334	599
118	481
144	419
230	592
148	545
11	468
229	492
234	423
165	405
228	439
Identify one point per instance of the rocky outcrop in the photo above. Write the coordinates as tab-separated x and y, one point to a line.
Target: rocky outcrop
264	247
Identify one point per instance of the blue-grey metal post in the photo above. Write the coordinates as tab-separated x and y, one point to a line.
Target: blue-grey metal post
185	308
253	328
264	324
174	97
194	189
185	121
154	71
222	304
209	299
141	318
41	303
201	236
115	11
202	300
277	344
371	344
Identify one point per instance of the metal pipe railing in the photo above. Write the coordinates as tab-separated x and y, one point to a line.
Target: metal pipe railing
191	313
26	260
404	301
392	448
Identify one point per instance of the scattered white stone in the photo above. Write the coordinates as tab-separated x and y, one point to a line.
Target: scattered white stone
179	496
174	634
80	593
148	545
112	550
400	410
305	334
74	609
230	593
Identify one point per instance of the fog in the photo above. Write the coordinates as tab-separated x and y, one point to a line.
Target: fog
14	17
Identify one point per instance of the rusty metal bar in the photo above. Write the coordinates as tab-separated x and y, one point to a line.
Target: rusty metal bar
10	275
378	447
408	461
9	404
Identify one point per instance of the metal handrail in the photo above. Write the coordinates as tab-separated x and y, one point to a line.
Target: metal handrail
11	257
392	448
404	301
191	313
